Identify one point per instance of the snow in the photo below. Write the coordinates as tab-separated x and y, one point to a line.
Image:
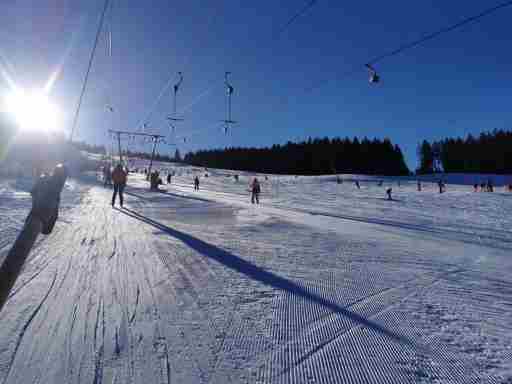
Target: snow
320	283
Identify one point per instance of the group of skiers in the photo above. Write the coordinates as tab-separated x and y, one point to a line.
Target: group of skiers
254	188
118	177
485	187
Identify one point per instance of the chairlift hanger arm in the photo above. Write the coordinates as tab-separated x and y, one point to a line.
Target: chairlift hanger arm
229	87
177	85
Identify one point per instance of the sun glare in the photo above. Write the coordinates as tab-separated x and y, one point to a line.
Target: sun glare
33	111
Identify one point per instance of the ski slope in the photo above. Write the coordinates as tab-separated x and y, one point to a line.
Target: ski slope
320	283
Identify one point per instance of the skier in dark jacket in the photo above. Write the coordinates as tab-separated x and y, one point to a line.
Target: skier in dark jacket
196	183
441	186
255	191
119	178
388	192
490	187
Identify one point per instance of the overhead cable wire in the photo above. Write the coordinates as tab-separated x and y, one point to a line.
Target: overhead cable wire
163	91
166	86
439	32
89	66
301	12
208	90
415	43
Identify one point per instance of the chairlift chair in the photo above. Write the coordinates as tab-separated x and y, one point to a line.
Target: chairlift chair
374	77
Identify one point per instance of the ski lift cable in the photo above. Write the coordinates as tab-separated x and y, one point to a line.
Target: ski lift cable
201	95
415	43
301	12
163	91
109	27
89	66
215	126
439	32
187	108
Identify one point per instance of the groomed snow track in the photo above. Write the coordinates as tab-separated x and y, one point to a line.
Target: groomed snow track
200	288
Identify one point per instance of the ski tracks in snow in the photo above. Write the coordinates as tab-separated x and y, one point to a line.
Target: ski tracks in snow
143	295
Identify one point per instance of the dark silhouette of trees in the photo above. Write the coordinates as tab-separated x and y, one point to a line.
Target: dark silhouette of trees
426	157
312	157
147	156
83	146
177	156
491	152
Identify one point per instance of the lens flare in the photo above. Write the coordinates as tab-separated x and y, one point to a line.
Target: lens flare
33	111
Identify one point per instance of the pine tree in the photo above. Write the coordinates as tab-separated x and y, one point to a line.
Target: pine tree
177	156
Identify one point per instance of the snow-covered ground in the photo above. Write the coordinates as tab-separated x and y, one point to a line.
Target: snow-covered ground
320	283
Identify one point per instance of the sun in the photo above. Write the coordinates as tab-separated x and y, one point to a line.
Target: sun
33	111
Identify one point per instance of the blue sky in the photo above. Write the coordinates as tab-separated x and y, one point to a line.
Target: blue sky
454	85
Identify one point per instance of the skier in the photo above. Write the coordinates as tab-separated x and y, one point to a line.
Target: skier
107	175
104	171
357	184
388	192
196	183
155	181
441	186
475	187
169	178
419	186
119	178
255	191
490	187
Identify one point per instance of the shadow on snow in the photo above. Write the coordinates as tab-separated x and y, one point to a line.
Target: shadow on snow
254	272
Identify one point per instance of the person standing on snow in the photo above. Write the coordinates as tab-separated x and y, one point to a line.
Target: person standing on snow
107	175
119	178
441	186
255	191
196	183
388	192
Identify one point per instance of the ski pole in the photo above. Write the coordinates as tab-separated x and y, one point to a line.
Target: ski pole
41	219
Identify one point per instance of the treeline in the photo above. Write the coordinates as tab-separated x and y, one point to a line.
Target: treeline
158	157
491	152
312	157
83	146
